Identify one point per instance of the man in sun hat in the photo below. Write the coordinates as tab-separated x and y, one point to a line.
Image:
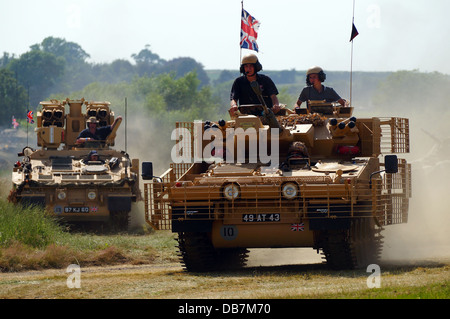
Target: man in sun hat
95	133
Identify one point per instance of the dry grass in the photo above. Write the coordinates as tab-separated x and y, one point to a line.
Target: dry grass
19	257
169	281
90	250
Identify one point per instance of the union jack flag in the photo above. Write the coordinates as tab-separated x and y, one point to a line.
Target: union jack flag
249	31
298	227
30	117
15	124
94	209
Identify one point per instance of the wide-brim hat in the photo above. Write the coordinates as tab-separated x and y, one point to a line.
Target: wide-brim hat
92	119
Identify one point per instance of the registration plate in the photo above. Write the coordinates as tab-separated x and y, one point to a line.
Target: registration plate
252	218
71	209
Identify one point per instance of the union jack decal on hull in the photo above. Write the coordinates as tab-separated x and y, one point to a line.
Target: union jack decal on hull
298	227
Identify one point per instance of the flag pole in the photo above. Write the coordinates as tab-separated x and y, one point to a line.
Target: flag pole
240	30
351	75
126	107
27	128
28	93
351	56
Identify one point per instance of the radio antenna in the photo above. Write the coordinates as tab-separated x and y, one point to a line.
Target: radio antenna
353	35
126	106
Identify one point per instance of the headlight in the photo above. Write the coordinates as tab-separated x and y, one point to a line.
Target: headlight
231	191
91	195
289	190
62	195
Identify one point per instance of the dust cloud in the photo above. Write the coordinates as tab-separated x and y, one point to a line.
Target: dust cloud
145	140
283	256
427	233
142	138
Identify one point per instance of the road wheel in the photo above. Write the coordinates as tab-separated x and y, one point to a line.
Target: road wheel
119	221
356	247
197	254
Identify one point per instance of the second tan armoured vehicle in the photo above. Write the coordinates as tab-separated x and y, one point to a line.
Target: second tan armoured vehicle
324	185
62	176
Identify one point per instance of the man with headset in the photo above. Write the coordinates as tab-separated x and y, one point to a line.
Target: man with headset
242	92
315	91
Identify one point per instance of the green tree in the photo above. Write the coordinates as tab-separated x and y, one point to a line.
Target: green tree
147	56
166	94
408	91
184	93
5	59
178	93
183	66
77	72
13	98
38	72
117	71
147	62
226	76
70	51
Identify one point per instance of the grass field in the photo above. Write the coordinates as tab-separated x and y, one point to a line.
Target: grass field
167	280
31	240
35	251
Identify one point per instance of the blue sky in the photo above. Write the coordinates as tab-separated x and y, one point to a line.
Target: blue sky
294	34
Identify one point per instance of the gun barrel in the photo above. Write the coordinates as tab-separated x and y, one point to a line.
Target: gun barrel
268	114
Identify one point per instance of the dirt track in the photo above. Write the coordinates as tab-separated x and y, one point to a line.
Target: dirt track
310	279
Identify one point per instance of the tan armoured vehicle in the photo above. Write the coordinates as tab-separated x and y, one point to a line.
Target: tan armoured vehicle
63	176
325	185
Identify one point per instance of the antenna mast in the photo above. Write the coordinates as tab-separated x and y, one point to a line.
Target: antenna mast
126	106
351	58
240	31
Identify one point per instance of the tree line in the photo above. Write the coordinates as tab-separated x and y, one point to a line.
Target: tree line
181	87
59	66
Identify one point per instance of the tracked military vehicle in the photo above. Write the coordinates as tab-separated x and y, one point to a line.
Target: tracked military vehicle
62	176
324	184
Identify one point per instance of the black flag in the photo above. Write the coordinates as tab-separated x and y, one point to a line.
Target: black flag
354	32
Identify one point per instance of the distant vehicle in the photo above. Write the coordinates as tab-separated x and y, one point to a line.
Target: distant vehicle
326	188
10	138
61	177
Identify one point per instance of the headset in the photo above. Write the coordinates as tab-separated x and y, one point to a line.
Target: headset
258	67
322	77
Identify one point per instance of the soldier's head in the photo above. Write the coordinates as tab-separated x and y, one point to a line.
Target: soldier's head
250	65
92	123
93	155
313	74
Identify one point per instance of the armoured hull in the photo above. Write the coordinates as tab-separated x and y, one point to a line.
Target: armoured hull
325	185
